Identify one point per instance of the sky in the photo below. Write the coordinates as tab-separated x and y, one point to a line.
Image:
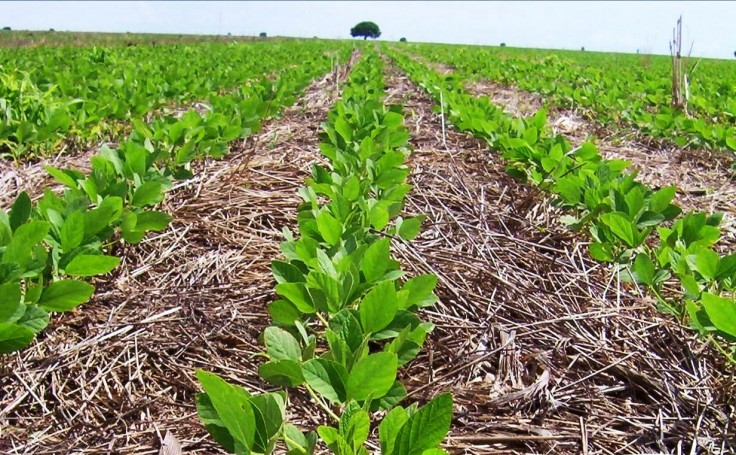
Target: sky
598	26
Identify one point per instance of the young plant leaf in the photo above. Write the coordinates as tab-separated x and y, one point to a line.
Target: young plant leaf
378	307
91	264
233	407
426	428
372	376
65	295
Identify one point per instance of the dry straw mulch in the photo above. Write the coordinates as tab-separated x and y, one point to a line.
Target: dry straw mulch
544	351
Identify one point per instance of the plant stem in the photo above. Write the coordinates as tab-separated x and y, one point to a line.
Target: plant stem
321	403
322	319
725	353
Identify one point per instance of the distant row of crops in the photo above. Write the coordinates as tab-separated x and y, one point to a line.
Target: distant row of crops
53	94
612	89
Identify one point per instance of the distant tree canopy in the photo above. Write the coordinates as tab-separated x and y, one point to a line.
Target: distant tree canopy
503	44
6	28
403	40
734	53
582	48
263	35
366	30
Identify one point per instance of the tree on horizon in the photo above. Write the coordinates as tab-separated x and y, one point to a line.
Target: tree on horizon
366	29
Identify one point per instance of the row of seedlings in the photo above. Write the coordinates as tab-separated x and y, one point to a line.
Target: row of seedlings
633	227
48	248
345	320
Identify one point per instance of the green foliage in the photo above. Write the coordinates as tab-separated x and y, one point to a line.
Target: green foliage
340	288
620	214
43	103
69	234
614	89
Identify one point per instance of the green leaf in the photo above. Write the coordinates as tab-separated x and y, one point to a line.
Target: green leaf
426	428
14	337
662	198
61	176
284	373
327	377
281	345
72	232
421	291
65	295
149	193
297	442
392	119
731	142
329	227
233	407
351	188
5	232
297	294
91	264
11	308
208	415
376	260
378	307
284	272
601	252
24	239
379	216
372	376
390	427
396	393
721	311
621	227
644	269
152	220
705	261
35	318
355	425
21	211
410	227
284	312
268	410
343	128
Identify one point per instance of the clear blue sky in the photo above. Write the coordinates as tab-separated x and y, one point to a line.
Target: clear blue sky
604	26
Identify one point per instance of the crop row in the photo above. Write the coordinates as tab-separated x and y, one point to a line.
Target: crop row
345	320
625	219
49	247
612	90
48	94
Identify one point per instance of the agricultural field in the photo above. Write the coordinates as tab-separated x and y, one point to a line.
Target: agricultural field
312	246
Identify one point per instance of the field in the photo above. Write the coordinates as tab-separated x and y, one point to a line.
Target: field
312	246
